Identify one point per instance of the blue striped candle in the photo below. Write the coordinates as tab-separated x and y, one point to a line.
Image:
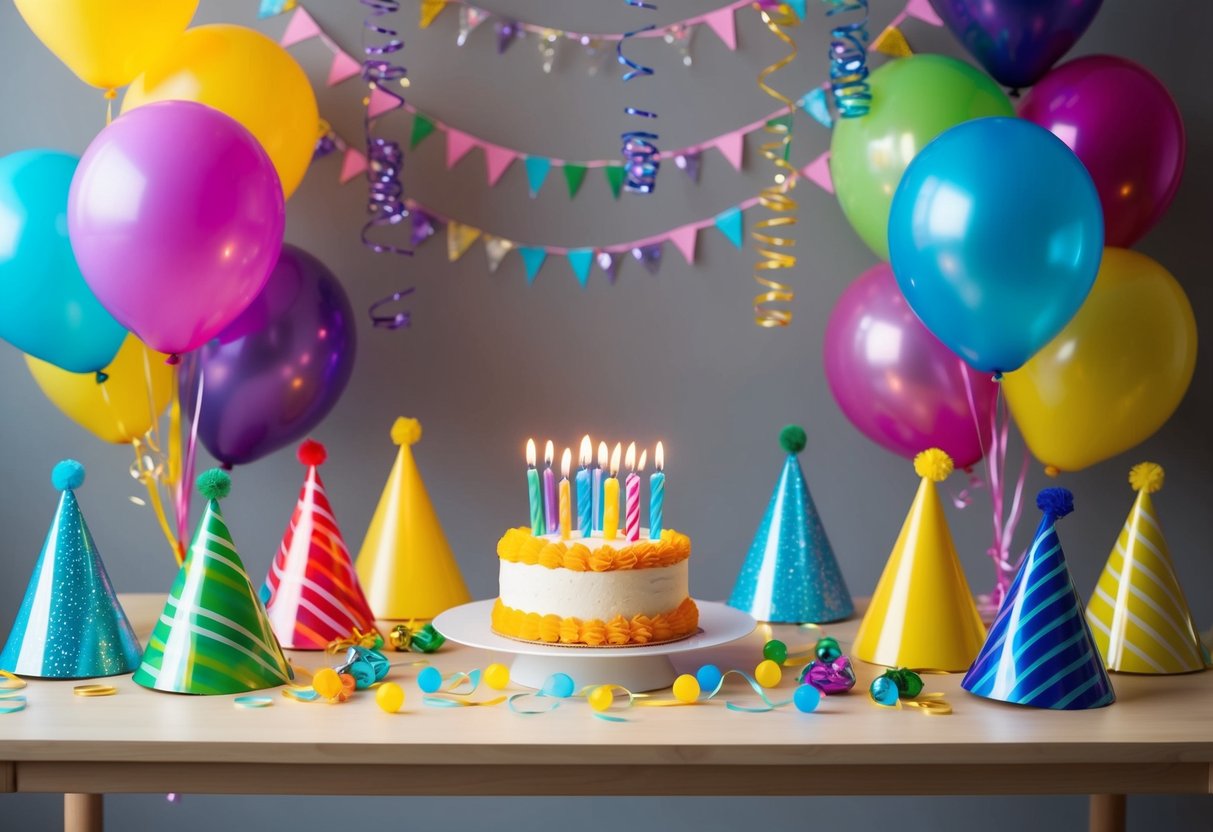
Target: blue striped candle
657	496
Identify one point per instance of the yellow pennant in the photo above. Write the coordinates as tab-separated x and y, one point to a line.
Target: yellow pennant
430	9
458	238
892	42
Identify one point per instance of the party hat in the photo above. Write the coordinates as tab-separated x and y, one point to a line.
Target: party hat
312	593
790	574
213	635
406	565
1138	614
70	624
1040	651
922	613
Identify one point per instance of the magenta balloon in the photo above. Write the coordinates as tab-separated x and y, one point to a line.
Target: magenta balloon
896	381
176	217
1124	126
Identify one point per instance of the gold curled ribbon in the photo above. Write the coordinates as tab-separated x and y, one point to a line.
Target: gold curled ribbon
10	681
773	247
94	690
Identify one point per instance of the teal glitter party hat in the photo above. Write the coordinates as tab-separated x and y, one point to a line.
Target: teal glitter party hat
790	574
70	624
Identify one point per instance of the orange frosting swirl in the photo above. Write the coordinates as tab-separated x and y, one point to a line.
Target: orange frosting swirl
577	558
602	559
593	632
619	631
549	629
552	556
570	630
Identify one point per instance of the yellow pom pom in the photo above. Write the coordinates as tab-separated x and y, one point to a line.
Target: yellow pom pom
390	697
1146	476
601	698
327	683
497	676
686	688
767	674
406	431
933	464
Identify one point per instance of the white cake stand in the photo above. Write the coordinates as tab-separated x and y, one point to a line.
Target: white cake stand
636	668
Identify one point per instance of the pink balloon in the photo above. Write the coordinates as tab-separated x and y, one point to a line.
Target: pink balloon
1124	126
176	217
896	381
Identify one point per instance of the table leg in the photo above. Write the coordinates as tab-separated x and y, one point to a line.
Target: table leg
83	813
1107	813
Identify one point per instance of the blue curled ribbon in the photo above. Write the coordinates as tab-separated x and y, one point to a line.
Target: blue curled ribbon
641	157
849	59
767	705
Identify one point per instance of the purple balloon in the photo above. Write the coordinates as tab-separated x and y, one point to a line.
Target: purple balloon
1124	126
176	217
896	381
1017	41
277	370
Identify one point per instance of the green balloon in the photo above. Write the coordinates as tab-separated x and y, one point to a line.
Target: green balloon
913	100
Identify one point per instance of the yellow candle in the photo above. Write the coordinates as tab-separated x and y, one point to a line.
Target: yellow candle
566	505
610	498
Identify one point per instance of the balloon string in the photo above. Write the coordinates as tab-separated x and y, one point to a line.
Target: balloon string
143	470
191	454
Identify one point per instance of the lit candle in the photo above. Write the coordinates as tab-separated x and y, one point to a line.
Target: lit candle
566	504
549	489
584	502
538	526
632	502
596	484
610	499
657	494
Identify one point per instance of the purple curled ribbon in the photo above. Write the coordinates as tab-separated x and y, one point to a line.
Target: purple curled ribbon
393	320
849	60
641	157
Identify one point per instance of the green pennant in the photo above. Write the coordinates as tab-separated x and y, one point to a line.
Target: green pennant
422	127
574	175
614	177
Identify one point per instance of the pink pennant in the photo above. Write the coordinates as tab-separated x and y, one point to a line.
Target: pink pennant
731	145
381	102
684	240
342	68
457	146
352	165
818	172
300	28
496	160
922	10
724	25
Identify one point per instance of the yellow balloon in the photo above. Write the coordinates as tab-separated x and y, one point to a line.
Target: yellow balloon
246	75
119	409
1117	371
107	42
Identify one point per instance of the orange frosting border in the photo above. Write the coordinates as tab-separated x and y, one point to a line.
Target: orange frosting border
619	631
521	546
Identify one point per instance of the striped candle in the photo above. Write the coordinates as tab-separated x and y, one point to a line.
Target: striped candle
631	526
538	523
657	495
584	497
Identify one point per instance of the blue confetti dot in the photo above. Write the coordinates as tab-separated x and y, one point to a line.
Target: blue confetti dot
559	685
709	677
884	691
806	699
429	679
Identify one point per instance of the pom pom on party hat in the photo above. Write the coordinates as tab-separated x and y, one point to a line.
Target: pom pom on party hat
70	624
405	564
790	574
312	592
213	636
922	613
1040	651
1138	615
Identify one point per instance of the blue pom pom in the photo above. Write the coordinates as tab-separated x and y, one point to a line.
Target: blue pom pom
67	474
709	677
1055	501
806	699
559	685
429	679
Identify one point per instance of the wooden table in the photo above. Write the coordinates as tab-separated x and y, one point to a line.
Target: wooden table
1158	738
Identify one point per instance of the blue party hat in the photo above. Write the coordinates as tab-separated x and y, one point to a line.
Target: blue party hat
1040	651
70	624
790	574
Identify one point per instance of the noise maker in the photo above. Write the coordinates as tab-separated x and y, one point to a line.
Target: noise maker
1039	651
70	624
1138	614
213	636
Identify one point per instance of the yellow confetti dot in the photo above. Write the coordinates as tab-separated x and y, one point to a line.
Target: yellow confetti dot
768	674
497	676
601	698
686	688
327	683
390	697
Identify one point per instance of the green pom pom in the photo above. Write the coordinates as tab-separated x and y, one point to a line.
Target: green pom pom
792	439
67	474
214	484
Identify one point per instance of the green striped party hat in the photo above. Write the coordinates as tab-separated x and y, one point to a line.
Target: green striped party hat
213	636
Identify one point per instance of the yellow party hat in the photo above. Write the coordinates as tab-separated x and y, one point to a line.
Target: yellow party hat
406	566
1138	614
922	614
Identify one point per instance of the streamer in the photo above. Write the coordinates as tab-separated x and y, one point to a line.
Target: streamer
641	157
849	59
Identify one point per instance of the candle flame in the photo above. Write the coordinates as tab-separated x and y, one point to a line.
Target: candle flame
644	459
566	460
604	456
549	451
587	451
615	459
530	453
630	456
659	457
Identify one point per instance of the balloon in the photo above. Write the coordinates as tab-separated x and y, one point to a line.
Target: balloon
995	237
46	308
123	407
895	381
279	368
176	218
246	75
1124	126
1017	41
1115	374
107	42
913	101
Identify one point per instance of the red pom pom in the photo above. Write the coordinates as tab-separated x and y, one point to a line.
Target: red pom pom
312	452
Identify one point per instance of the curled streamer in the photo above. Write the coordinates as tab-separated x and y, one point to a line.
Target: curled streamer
849	59
773	247
391	320
641	157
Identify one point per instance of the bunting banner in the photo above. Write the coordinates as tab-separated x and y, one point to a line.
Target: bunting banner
302	27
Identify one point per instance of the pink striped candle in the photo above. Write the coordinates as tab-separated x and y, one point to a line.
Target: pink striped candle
632	500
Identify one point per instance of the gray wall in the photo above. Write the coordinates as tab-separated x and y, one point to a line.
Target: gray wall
490	361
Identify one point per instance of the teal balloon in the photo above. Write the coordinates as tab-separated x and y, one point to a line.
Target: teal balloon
995	236
46	308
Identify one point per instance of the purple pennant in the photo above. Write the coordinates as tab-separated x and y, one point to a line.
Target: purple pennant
325	145
507	31
689	162
423	227
649	256
609	263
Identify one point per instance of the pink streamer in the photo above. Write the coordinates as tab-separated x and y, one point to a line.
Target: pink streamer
185	484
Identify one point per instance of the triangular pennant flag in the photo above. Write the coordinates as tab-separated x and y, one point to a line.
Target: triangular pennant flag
574	175
722	23
818	172
342	68
649	256
816	105
507	32
684	240
301	27
922	10
430	9
422	127
423	227
495	248
893	43
730	224
614	177
496	160
458	238
537	168
580	261
381	101
691	162
798	6
353	163
532	258
469	18
609	263
458	144
731	145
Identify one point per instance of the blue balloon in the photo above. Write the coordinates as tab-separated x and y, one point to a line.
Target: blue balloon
46	308
995	236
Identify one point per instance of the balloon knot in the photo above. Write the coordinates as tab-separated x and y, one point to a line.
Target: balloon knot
67	474
933	464
1146	476
111	94
792	439
1055	501
214	484
406	431
1052	470
997	377
312	452
101	377
173	360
